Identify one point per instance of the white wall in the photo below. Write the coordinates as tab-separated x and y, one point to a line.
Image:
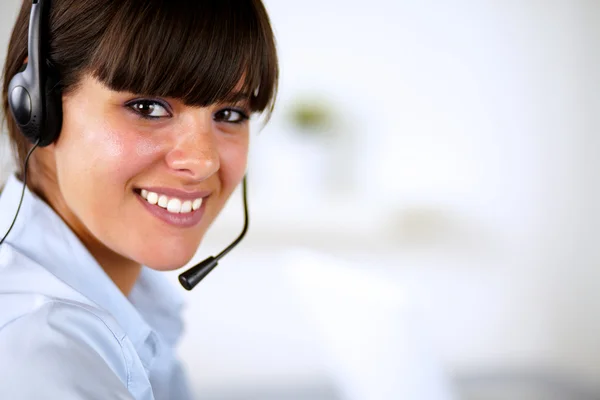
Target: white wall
484	111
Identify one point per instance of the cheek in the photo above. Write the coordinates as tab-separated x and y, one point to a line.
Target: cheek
95	168
104	154
234	159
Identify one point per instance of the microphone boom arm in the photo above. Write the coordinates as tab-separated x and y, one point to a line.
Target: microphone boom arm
190	278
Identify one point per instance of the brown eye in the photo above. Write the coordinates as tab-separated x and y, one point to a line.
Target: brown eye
230	115
149	109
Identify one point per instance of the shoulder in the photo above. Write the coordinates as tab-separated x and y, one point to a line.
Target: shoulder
61	325
28	288
63	348
53	335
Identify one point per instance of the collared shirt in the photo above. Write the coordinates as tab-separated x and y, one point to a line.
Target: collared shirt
66	331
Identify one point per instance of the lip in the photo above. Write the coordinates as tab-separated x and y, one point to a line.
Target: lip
180	194
186	220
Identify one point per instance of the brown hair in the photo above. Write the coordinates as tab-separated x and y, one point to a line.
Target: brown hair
194	50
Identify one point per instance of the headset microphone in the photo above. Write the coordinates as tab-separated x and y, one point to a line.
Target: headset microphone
190	278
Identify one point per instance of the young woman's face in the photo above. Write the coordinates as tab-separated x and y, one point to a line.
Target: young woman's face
119	154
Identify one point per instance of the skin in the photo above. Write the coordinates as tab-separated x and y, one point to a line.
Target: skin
107	149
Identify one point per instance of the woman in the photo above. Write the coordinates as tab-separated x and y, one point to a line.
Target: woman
156	96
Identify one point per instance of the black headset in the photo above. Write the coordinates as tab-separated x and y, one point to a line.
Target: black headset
34	95
35	102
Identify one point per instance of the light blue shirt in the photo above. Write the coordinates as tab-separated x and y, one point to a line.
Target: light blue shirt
66	331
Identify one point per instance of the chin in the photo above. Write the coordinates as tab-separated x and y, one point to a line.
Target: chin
168	253
168	261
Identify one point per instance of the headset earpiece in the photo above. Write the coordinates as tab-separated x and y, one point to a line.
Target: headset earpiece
34	95
53	103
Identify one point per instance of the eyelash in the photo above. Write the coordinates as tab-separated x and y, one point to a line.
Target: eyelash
243	115
131	105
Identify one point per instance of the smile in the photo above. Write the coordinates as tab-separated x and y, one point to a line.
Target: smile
171	204
182	210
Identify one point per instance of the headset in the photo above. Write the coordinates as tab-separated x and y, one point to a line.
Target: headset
34	94
35	102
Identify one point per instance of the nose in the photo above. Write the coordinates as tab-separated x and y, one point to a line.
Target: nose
195	153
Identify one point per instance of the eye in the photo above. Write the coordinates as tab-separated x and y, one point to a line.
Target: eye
231	115
151	109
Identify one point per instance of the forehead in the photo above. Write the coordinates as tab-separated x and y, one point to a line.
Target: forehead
175	51
184	54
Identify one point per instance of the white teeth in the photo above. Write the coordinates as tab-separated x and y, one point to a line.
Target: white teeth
152	198
163	201
174	206
186	207
196	204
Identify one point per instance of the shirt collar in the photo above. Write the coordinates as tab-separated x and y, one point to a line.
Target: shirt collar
161	304
44	237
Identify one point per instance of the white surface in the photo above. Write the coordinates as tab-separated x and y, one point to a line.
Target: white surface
246	327
378	347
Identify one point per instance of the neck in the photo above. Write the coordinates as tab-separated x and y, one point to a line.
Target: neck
122	271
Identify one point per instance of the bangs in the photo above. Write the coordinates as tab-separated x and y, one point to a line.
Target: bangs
201	52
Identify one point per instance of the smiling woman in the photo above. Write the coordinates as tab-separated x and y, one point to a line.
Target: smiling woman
143	136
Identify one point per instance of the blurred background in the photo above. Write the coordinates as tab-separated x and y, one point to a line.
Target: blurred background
423	210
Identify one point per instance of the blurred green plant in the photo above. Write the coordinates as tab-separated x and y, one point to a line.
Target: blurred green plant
312	115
